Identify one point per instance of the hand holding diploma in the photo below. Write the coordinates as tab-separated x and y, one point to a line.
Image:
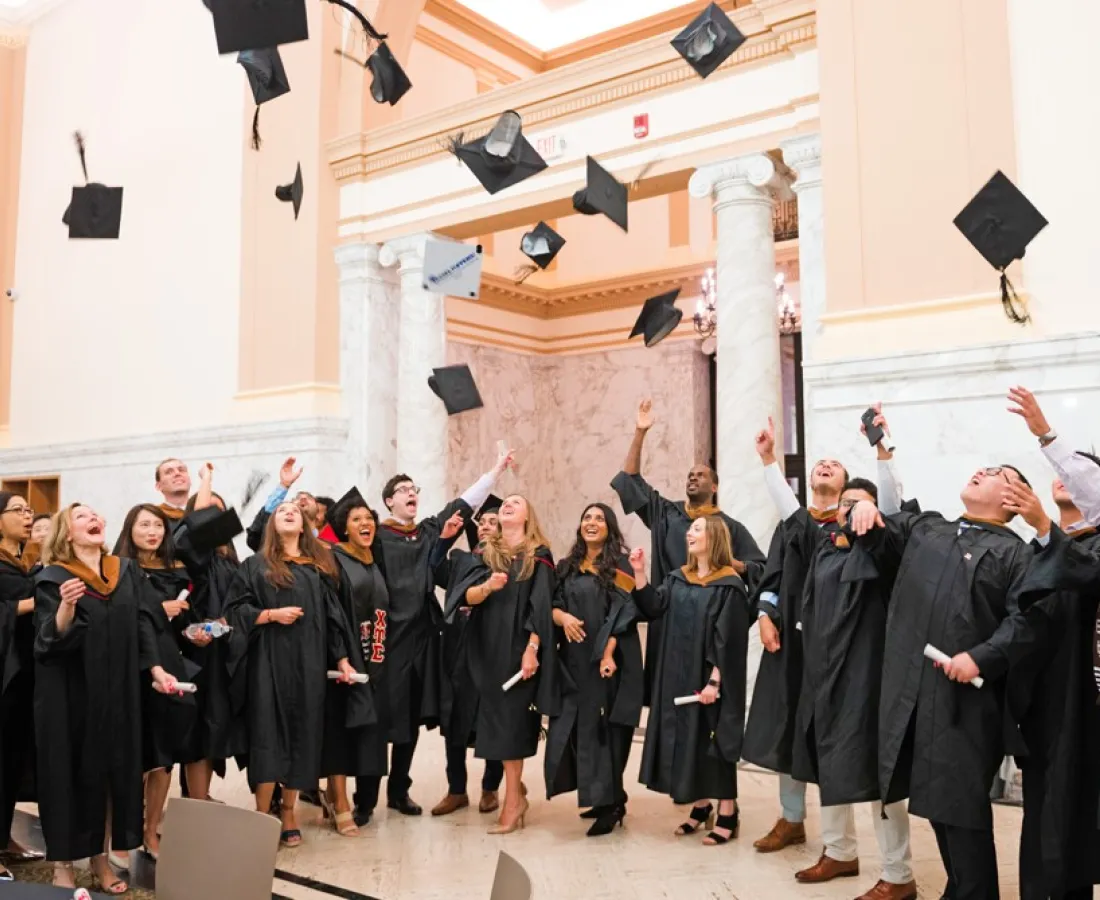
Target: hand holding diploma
960	667
354	678
513	681
345	673
696	698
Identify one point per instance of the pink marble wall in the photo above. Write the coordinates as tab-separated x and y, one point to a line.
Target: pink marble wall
571	419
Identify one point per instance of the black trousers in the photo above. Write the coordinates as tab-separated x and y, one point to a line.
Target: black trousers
17	753
970	860
1081	893
397	783
456	770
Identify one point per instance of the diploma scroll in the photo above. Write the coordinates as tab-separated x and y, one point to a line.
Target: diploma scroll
185	687
357	678
513	681
942	658
684	701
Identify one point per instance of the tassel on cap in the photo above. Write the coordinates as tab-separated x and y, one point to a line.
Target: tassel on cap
1013	308
256	140
367	27
80	149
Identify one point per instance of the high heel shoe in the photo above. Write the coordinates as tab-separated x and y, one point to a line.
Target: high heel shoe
605	823
501	828
64	872
731	822
700	816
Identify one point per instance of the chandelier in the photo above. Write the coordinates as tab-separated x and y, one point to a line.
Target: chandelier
706	307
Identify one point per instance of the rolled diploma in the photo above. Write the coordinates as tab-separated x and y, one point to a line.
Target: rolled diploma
513	681
939	656
684	701
186	686
357	678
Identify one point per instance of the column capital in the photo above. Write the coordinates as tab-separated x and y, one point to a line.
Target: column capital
756	172
803	154
407	250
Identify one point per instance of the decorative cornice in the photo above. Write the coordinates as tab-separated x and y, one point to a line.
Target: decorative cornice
648	67
488	33
27	12
457	52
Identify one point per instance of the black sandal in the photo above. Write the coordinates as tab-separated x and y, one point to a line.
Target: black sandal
731	822
699	816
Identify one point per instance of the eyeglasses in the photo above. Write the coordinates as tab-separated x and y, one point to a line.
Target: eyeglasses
408	489
20	511
996	470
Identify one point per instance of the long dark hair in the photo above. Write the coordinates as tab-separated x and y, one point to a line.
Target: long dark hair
612	550
228	551
125	546
312	549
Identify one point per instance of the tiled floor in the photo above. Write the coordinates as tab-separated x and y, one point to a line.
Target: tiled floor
398	858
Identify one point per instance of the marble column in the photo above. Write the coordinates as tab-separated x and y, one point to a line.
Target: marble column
749	387
368	366
421	417
803	155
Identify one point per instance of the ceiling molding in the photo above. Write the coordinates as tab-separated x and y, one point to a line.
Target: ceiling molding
28	12
461	54
487	32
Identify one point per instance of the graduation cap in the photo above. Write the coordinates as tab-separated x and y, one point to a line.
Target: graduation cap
267	78
452	268
491	505
292	193
95	210
251	25
455	386
501	158
389	83
1000	222
602	194
211	528
511	881
708	41
338	518
541	245
658	318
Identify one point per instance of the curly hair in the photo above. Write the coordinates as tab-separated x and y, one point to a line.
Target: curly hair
613	548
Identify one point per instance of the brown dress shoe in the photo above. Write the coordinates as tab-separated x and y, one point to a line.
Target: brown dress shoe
885	890
783	834
451	803
490	802
826	869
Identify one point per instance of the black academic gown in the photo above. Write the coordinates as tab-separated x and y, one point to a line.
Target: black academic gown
355	730
498	630
843	629
279	671
87	704
17	748
691	752
587	744
458	694
412	645
168	722
769	735
942	742
1053	696
668	523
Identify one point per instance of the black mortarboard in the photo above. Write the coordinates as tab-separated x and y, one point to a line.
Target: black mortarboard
541	245
338	515
492	504
211	528
708	41
267	78
501	158
389	83
254	25
602	194
455	386
658	318
95	210
1000	222
292	193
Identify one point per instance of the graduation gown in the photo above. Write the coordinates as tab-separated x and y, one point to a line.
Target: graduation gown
769	735
691	751
415	620
87	708
942	742
17	748
458	694
508	722
279	671
668	522
588	741
1053	697
843	629
355	732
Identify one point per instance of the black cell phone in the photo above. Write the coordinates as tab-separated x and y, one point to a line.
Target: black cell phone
874	432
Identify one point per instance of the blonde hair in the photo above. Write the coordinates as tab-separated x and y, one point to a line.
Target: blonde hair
499	557
58	547
719	546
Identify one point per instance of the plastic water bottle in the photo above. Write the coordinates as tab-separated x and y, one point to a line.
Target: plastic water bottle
214	629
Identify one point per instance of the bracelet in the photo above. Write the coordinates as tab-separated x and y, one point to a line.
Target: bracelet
533	646
713	683
1048	438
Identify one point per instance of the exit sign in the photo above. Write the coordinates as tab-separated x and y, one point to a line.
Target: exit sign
550	146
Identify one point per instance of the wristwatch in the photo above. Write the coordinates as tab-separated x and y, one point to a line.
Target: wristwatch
1048	438
712	683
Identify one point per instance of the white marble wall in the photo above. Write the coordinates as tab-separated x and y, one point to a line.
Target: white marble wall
571	419
947	411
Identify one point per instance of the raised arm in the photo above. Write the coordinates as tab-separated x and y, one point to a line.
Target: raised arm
288	474
632	465
889	488
478	492
786	503
205	495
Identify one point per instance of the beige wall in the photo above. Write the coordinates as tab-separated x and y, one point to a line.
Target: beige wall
12	67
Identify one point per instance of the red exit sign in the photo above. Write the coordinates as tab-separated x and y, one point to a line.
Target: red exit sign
641	126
